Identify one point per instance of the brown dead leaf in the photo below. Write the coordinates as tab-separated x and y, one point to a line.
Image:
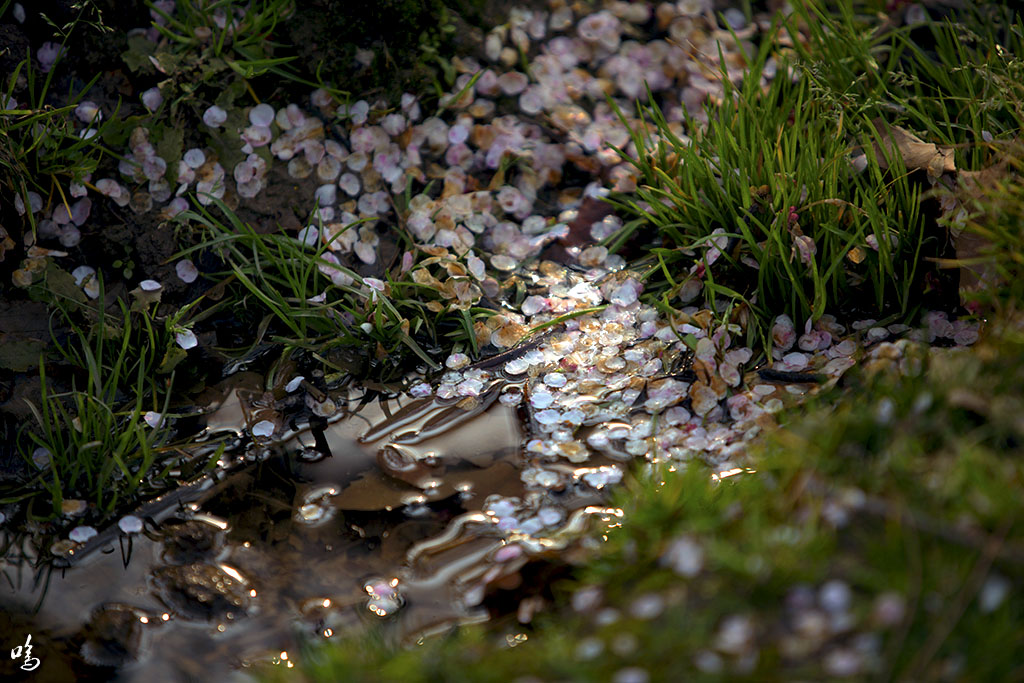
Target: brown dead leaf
856	255
974	254
455	269
719	386
438	252
973	184
422	276
915	152
703	371
482	333
703	319
973	250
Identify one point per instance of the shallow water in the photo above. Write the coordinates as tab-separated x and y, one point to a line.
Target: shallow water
377	513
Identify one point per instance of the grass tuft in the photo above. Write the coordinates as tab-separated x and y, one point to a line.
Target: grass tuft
319	304
796	196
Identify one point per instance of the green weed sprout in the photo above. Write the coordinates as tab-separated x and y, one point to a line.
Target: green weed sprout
284	277
99	446
39	146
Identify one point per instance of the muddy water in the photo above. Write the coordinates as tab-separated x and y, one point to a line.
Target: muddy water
377	514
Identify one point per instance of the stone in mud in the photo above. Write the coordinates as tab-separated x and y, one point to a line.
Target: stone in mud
201	591
190	541
112	636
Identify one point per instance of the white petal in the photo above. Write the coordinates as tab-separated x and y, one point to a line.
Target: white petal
130	524
263	428
186	270
186	339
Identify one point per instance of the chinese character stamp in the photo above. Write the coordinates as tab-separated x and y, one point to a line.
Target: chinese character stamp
30	663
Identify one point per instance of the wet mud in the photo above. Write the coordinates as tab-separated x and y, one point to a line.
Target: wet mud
378	514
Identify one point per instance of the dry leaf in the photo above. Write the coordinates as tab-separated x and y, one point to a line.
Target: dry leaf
974	183
856	255
970	249
974	250
915	152
422	276
35	252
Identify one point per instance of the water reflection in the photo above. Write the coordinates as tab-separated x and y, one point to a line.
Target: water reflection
390	520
